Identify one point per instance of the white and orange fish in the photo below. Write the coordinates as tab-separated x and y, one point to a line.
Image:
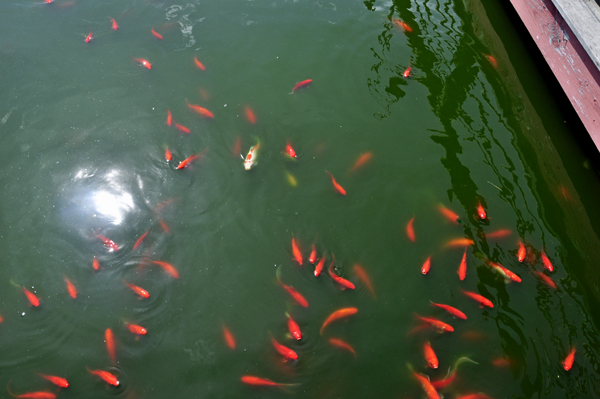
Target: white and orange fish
250	160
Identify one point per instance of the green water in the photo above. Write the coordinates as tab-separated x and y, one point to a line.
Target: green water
83	140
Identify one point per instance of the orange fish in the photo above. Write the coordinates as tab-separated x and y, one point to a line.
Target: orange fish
58	381
547	263
410	232
403	25
95	264
569	360
294	328
362	160
426	266
199	64
71	288
250	115
296	251
136	329
441	384
168	268
492	60
289	151
138	290
143	62
262	382
462	269
430	356
451	216
522	252
481	211
186	162
168	156
501	362
89	37
139	240
427	387
164	226
342	345
32	395
304	83
440	325
114	24
362	275
106	376
339	188
33	300
108	242
340	280
284	351
547	280
292	291
228	336
338	314
169	118
156	34
319	266
459	242
406	73
313	255
182	128
505	272
453	311
110	345
499	233
483	301
237	146
203	112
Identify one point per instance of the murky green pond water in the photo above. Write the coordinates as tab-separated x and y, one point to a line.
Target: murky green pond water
83	141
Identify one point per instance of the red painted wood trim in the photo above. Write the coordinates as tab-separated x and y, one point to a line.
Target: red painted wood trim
573	68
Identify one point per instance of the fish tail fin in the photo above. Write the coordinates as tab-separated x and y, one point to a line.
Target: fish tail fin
278	275
287	387
8	389
15	284
462	360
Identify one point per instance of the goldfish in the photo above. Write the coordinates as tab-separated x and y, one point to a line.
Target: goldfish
340	280
182	128
403	25
547	263
168	156
110	345
426	266
106	376
304	83
362	275
58	381
569	360
186	162
547	280
338	314
430	356
480	211
410	232
143	236
156	34
292	291
49	1
501	362
313	255
168	268
406	73
453	311
459	242
289	151
89	37
492	60
522	252
342	345
108	242
250	116
95	264
114	24
362	160
462	269
339	188
169	118
483	301
228	336
1	319
164	226
443	383
427	387
291	179
203	112
440	325
71	288
250	160
294	328
143	62
237	146
199	65
451	216
33	300
319	266
296	251
136	329
33	395
284	351
505	272
262	382
138	290
499	233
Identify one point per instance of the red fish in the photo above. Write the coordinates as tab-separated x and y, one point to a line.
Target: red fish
319	267
108	242
300	85
362	160
313	255
342	345
441	384
296	251
89	37
168	157
339	188
203	112
228	336
33	395
156	34
453	311
136	329
164	226
406	73
71	288
483	301
106	376
58	381
182	128
186	162
237	146
362	275
292	291
499	233
459	242
440	325
168	268
49	1
289	150
262	382
138	290
33	300
169	118
501	362
569	360
199	65
95	264
250	115
522	252
403	25
427	387
547	280
426	266
284	351
110	345
294	328
430	356
462	269
451	216
481	211
143	236
143	62
547	263
340	280
505	272
492	60
338	314
410	231
114	24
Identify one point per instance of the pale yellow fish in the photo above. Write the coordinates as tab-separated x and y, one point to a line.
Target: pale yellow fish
291	179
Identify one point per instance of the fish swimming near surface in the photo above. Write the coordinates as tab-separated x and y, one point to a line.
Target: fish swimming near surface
89	37
106	377
58	381
300	85
143	62
410	231
198	64
338	314
250	160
